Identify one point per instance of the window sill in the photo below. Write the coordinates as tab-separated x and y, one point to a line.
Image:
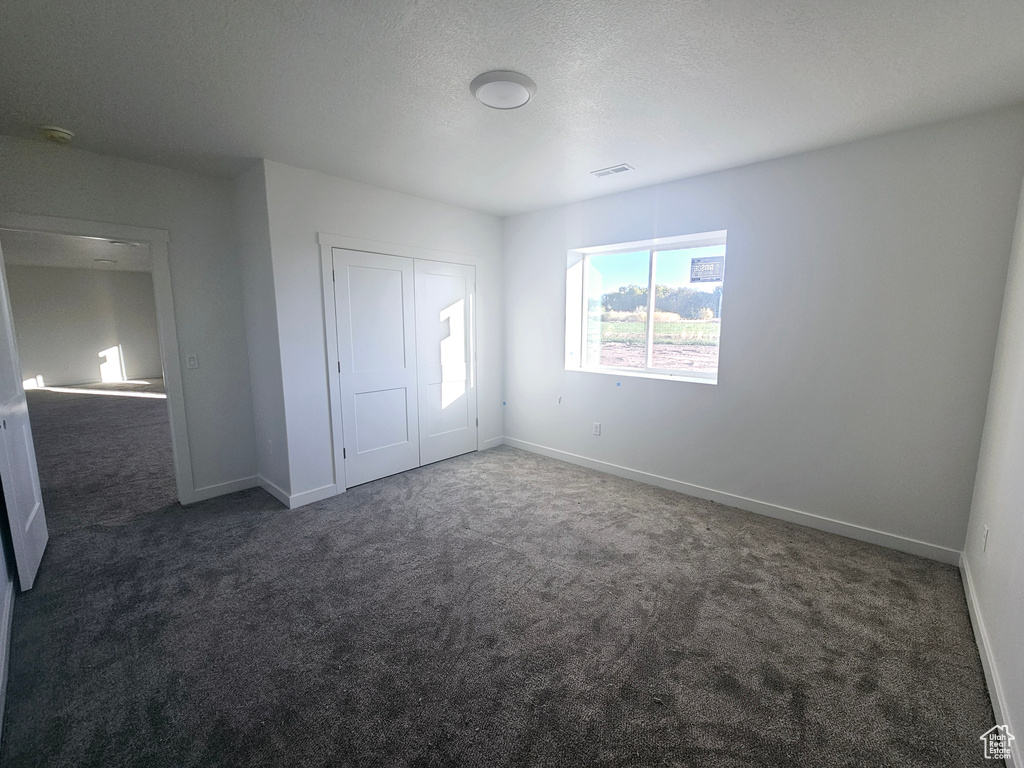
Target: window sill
633	374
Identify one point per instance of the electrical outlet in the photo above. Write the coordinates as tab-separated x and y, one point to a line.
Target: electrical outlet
191	361
984	540
597	428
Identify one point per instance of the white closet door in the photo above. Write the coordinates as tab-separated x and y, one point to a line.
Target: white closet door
374	297
17	454
447	384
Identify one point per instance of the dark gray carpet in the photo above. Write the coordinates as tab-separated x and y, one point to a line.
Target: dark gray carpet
496	609
103	459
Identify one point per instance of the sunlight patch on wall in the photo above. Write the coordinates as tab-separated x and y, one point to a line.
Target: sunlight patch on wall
112	369
453	354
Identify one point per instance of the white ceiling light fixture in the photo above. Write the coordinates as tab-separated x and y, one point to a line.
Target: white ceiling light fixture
56	135
502	89
105	261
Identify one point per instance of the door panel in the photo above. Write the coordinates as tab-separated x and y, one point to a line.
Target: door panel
443	420
374	298
381	419
444	351
17	454
377	331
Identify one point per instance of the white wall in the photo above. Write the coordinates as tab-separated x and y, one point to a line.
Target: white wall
302	204
862	298
64	317
42	179
261	328
996	571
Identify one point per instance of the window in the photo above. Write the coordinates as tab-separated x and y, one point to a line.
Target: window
651	308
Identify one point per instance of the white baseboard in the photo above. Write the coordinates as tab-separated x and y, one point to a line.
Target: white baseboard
850	530
988	660
220	489
293	501
6	617
308	497
494	442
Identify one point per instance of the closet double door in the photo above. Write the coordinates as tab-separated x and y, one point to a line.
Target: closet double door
405	362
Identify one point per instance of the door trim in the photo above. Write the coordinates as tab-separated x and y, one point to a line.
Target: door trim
167	330
328	242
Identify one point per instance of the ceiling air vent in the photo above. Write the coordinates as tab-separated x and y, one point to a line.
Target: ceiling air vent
621	168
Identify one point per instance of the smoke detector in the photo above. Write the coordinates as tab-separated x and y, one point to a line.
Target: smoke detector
55	134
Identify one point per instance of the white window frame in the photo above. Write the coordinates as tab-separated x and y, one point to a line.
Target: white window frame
576	305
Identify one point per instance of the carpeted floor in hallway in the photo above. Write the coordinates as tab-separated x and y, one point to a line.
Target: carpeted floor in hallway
103	450
497	609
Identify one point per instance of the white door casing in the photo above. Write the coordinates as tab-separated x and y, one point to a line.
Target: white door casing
375	315
445	294
18	470
157	240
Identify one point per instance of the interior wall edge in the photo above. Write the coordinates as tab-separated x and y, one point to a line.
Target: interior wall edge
273	489
262	335
799	517
988	659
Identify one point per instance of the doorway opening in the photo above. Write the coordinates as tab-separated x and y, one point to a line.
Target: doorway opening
94	323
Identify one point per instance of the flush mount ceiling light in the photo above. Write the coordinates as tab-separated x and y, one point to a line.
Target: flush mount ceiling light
55	134
502	89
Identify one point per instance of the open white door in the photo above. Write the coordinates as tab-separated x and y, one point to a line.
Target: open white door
17	454
377	364
444	350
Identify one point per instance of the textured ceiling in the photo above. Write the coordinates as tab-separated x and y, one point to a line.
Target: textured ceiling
42	249
378	91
